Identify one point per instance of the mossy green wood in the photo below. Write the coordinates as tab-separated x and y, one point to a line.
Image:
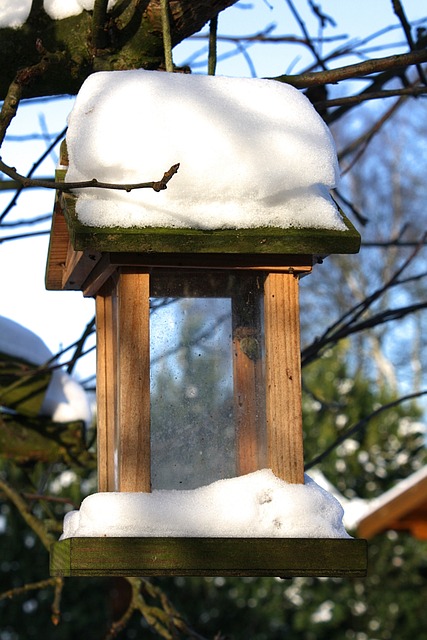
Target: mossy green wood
263	240
23	385
282	557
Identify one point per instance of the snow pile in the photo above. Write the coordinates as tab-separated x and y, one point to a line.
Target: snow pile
65	399
255	505
252	153
354	509
14	13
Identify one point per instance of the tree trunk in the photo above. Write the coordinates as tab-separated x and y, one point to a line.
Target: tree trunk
131	38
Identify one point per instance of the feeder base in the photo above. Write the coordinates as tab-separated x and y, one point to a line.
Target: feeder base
281	557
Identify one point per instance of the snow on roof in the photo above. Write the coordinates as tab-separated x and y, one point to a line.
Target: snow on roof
65	399
400	488
394	503
255	505
252	153
14	13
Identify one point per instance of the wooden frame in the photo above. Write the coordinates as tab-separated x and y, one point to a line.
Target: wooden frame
281	557
268	413
119	267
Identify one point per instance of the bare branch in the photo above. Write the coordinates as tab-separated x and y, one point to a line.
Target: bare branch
99	19
79	350
12	185
36	525
167	36
361	69
31	586
23	78
212	57
265	37
25	222
361	424
306	34
35	166
400	13
371	95
23	236
349	323
361	143
28	183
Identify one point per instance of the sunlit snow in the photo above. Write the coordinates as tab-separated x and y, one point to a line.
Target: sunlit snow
252	153
65	399
255	505
14	13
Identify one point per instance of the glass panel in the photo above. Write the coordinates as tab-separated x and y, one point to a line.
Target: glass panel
205	348
192	431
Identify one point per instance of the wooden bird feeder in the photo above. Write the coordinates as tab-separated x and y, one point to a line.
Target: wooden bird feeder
256	271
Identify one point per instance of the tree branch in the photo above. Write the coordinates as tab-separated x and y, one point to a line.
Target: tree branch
23	78
349	323
306	34
167	37
371	95
99	18
34	523
400	13
361	424
29	183
31	586
361	69
212	56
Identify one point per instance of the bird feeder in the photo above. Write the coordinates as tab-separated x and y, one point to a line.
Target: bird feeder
242	286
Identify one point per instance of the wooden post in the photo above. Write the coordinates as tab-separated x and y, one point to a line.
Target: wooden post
134	382
283	377
106	385
249	406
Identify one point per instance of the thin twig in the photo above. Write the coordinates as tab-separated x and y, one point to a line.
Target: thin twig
167	37
13	185
29	183
400	13
361	424
16	89
390	243
308	39
56	604
79	350
349	324
24	236
36	525
99	19
35	166
36	497
22	222
371	95
332	76
360	145
31	586
212	56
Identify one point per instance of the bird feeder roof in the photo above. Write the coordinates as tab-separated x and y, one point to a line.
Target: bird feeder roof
256	166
